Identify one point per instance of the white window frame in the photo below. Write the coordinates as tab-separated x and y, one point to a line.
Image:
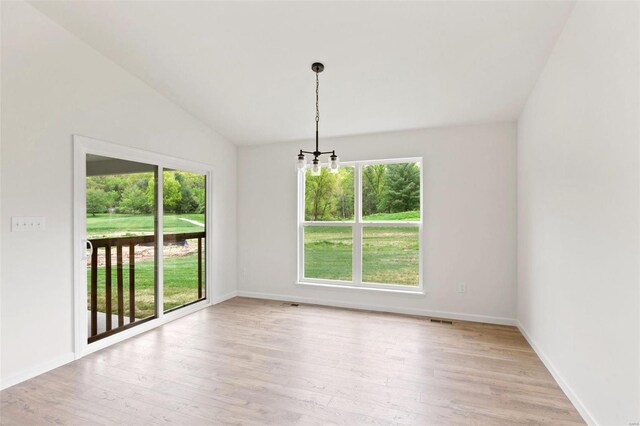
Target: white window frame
357	226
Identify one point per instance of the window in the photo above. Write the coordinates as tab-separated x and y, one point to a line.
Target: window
362	226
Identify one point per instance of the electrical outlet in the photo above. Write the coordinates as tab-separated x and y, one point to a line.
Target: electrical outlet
462	288
27	224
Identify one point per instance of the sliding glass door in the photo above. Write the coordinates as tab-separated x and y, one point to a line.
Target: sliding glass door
121	226
130	256
184	226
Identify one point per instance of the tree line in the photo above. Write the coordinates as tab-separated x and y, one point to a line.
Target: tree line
134	193
386	188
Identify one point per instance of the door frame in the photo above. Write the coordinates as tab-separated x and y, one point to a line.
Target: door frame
83	145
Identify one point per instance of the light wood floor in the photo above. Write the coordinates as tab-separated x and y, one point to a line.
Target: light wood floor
249	361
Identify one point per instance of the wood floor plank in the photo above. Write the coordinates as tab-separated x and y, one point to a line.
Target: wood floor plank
260	362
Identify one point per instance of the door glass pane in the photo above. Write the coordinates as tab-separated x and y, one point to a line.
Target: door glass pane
329	197
121	219
390	255
391	192
184	227
328	252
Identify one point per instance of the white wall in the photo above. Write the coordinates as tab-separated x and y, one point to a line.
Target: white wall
470	220
578	213
55	86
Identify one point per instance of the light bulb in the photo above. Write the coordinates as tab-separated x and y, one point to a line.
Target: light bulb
301	164
334	164
315	168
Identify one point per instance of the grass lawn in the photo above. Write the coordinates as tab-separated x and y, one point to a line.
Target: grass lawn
180	285
390	254
106	225
180	272
413	215
327	252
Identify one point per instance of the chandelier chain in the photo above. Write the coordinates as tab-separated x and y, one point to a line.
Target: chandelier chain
317	103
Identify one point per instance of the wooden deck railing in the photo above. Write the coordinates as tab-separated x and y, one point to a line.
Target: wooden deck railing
121	243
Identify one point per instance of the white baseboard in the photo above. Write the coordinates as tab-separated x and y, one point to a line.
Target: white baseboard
29	373
381	308
575	400
219	299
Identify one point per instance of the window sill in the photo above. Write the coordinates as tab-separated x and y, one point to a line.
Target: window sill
416	292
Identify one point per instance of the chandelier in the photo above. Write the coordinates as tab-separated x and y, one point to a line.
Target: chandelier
333	163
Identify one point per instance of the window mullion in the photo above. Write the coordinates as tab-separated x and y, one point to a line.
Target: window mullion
415	224
357	253
159	248
357	226
301	218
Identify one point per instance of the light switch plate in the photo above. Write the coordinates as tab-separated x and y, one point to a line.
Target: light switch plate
27	223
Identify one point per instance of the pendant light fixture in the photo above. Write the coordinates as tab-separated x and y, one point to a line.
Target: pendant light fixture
334	163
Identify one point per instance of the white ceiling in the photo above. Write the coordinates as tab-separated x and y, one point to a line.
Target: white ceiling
244	67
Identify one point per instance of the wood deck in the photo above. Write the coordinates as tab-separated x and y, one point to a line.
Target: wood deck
248	361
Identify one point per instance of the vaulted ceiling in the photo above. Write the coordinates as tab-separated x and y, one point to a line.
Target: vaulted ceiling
244	67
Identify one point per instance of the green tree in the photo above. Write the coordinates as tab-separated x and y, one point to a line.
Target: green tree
318	200
97	201
95	182
112	198
170	193
329	196
188	202
134	201
116	183
373	188
199	196
344	194
195	183
402	182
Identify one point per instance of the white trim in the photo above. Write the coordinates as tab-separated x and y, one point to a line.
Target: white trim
328	223
208	218
84	145
159	248
1	220
380	308
388	161
388	223
369	286
123	152
219	299
79	258
29	373
356	232
573	397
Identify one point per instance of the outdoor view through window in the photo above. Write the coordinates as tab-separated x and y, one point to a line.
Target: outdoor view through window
121	200
375	241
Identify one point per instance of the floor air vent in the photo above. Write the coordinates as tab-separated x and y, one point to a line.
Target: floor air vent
441	321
